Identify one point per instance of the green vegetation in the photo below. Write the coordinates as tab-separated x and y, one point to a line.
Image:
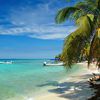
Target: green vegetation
85	41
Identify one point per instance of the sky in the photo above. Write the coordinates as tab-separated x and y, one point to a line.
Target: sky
28	28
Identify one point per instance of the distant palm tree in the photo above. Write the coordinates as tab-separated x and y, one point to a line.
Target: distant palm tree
86	14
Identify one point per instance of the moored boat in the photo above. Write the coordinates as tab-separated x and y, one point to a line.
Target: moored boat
6	62
53	64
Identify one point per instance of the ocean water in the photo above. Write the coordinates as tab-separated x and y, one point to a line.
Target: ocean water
28	78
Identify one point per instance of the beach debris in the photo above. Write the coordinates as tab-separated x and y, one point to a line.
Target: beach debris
95	79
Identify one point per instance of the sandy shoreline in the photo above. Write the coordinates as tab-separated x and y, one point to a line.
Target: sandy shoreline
76	88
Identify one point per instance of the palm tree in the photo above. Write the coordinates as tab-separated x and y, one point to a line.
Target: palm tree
86	15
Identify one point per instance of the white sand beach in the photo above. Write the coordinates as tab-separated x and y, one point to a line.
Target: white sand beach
76	88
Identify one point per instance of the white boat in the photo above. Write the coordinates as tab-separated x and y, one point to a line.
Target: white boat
53	64
6	62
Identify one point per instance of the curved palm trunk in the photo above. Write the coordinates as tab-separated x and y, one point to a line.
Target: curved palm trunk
91	50
92	39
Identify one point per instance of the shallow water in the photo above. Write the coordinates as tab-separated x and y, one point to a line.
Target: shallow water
27	78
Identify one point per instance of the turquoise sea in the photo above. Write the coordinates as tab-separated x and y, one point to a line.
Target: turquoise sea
27	78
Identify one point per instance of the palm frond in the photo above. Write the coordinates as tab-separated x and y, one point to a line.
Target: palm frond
65	14
76	41
91	16
77	14
98	4
90	2
81	5
89	6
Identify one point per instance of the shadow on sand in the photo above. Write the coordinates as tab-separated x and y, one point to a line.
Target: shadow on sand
72	90
96	95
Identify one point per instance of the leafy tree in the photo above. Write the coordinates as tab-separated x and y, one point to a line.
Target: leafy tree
86	15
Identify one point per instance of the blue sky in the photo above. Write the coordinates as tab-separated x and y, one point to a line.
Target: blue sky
28	29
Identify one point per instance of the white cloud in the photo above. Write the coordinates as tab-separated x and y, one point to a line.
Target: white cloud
54	32
40	14
36	22
49	36
42	32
